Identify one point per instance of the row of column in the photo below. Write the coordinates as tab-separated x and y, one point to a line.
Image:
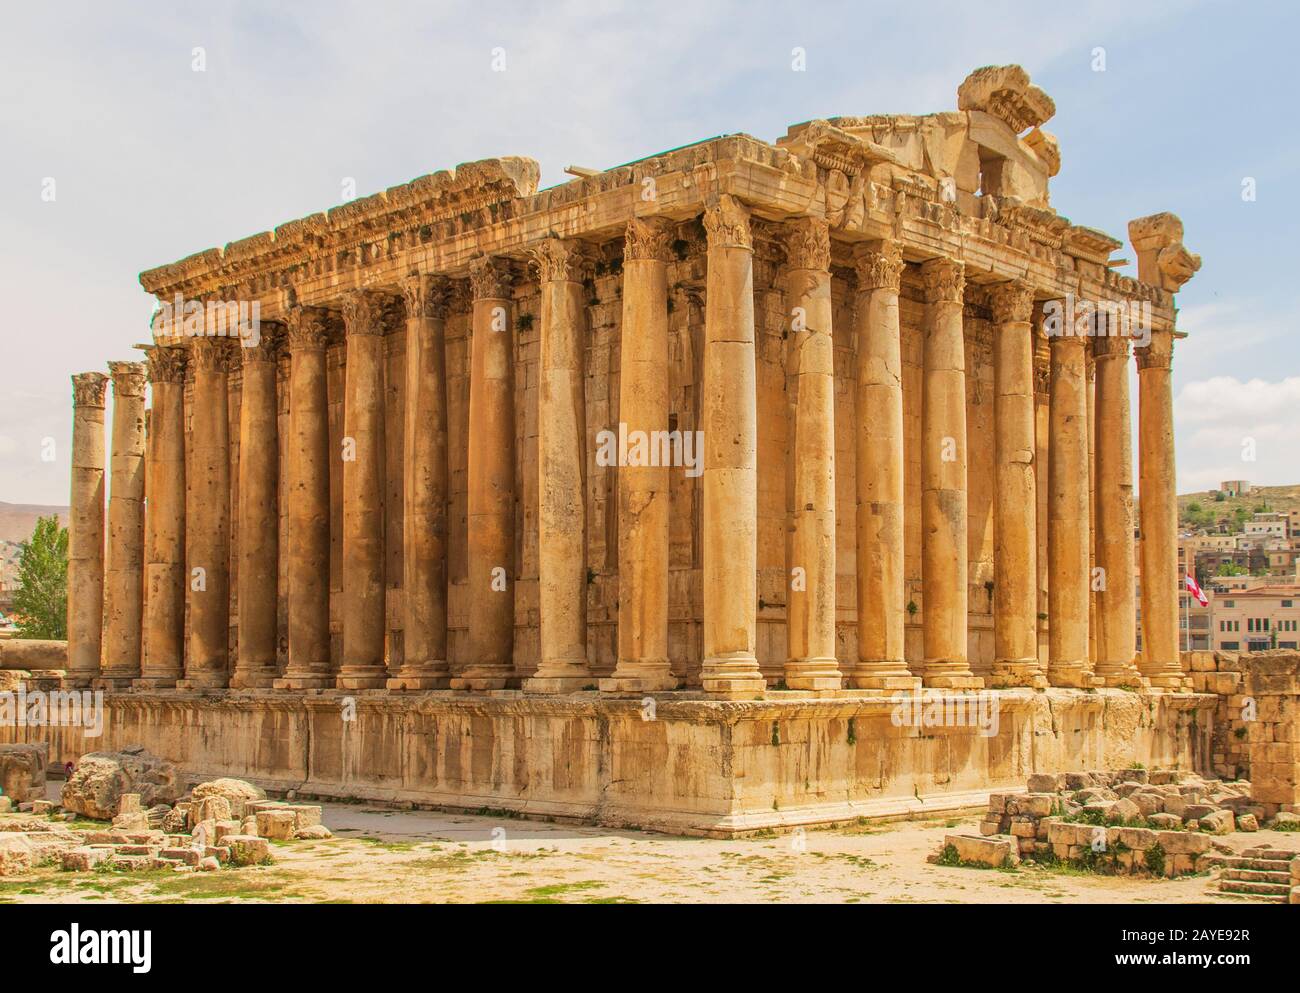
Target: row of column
197	529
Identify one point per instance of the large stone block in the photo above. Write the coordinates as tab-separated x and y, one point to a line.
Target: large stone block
994	851
96	786
22	771
237	792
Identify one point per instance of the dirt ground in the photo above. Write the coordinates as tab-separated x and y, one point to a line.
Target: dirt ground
380	855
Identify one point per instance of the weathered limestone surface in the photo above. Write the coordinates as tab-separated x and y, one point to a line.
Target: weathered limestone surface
86	529
101	778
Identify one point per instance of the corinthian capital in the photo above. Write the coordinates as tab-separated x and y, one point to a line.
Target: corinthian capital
267	347
490	278
1012	302
559	260
648	239
211	354
1111	346
726	223
945	281
1158	353
129	378
808	244
365	312
308	328
879	265
426	295
88	389
166	365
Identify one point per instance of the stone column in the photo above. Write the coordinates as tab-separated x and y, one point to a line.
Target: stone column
307	498
425	477
1158	505
207	518
86	529
730	423
1068	534
163	661
364	590
124	568
1015	508
878	374
810	618
561	473
943	480
257	578
491	468
643	490
1115	552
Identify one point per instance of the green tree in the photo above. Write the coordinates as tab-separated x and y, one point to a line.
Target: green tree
1230	569
41	599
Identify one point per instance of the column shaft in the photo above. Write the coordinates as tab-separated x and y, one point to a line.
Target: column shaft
1015	509
491	469
1115	550
643	490
811	662
364	589
730	424
943	481
307	499
1067	514
86	530
163	661
425	478
1158	505
207	516
561	474
878	377
257	582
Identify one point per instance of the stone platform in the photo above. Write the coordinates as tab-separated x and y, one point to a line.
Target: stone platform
680	764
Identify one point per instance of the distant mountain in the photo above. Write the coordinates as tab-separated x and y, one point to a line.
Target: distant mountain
1279	498
18	520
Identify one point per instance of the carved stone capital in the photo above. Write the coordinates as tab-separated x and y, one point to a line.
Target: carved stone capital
1007	94
726	223
367	312
129	378
1162	259
268	346
211	354
426	295
166	365
808	244
1012	302
945	281
879	265
649	239
560	260
308	328
88	389
1111	346
490	278
1158	353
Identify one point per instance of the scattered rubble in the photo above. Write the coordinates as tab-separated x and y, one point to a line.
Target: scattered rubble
100	779
22	771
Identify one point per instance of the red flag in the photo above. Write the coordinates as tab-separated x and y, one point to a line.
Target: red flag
1196	591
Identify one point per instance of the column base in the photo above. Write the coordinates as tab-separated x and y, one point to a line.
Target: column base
732	677
256	679
1012	674
557	684
881	674
942	675
304	681
113	684
203	683
479	683
631	683
1170	680
1071	675
361	677
1123	676
416	680
813	674
154	683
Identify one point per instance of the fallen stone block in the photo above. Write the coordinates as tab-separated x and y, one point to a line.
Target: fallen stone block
1218	822
993	852
22	771
16	854
1164	822
1126	810
305	815
248	850
131	821
129	803
6	805
1247	822
1046	782
1030	804
277	825
236	792
189	856
1285	821
1183	842
209	808
101	778
85	858
316	832
209	864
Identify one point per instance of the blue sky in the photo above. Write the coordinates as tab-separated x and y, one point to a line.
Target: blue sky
153	161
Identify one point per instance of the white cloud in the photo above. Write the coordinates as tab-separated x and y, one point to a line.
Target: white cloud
1219	422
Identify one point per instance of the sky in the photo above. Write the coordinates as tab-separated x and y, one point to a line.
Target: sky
171	128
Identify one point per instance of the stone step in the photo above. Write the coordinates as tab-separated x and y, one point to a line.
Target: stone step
1261	865
1257	876
1258	889
1270	853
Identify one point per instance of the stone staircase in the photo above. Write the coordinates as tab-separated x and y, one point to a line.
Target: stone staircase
1260	874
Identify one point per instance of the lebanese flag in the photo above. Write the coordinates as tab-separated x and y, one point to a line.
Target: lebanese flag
1196	591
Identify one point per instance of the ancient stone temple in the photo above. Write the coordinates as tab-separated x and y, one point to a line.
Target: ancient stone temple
644	497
